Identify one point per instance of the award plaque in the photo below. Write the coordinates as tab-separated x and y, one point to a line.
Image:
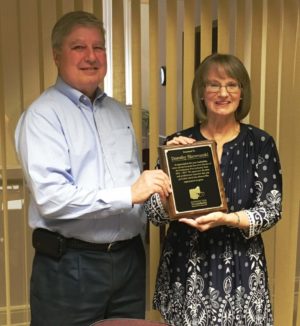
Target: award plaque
195	178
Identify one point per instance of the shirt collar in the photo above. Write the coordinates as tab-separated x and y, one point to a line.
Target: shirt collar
73	94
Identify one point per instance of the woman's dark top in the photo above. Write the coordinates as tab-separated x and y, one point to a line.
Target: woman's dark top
219	277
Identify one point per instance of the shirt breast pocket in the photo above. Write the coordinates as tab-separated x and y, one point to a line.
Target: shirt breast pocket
121	146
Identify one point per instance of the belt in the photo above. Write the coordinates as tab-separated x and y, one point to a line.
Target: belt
55	245
112	246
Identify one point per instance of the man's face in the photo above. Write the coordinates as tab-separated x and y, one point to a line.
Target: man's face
81	60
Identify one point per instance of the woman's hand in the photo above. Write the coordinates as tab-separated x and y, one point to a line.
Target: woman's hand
209	221
181	140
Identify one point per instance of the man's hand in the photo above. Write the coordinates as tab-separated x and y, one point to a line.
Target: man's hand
148	183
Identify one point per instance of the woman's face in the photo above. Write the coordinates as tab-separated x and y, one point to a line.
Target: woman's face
222	94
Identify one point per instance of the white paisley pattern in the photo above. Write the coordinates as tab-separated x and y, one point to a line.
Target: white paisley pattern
219	277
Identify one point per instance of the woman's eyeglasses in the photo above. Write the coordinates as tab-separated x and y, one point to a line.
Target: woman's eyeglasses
216	87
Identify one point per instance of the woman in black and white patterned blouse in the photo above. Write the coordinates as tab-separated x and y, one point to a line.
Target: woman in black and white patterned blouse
213	268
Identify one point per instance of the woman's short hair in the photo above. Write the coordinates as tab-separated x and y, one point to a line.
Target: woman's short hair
234	68
67	22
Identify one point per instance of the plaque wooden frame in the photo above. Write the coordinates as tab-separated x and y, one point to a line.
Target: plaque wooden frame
195	177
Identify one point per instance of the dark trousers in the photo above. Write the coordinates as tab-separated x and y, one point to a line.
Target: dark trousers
85	286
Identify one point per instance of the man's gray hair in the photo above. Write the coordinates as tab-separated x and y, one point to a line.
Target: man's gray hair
67	22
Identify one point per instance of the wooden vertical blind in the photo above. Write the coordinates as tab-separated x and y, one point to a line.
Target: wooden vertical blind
136	69
270	105
118	55
256	60
188	62
171	66
263	34
154	234
206	23
286	233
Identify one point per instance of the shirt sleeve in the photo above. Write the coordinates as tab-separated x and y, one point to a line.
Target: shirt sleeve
266	211
44	155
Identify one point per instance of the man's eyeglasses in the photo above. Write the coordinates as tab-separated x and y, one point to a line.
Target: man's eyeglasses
216	88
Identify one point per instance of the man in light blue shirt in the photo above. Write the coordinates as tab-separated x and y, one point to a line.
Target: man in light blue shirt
79	156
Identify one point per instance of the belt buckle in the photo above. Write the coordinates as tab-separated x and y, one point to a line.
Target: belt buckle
110	246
